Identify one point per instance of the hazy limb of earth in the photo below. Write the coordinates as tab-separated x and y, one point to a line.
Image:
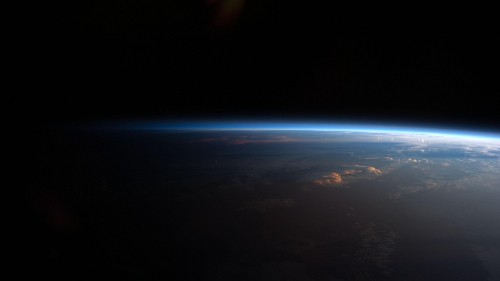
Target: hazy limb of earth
291	205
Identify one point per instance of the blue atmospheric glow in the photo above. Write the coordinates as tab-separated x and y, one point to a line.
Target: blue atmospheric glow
218	125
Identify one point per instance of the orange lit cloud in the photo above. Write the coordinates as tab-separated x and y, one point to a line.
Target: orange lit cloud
370	169
330	179
335	178
373	170
351	172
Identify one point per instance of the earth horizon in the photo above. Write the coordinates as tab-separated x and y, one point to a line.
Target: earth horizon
264	202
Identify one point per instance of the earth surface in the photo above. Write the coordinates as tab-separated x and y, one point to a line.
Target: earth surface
272	205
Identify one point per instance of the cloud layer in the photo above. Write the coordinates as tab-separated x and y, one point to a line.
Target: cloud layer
337	178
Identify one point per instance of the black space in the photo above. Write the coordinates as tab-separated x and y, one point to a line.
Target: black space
165	59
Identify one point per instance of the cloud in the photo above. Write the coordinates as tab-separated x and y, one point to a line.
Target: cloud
424	185
330	179
370	169
351	172
373	170
337	178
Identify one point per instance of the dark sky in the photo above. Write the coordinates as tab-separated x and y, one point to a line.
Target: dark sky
162	59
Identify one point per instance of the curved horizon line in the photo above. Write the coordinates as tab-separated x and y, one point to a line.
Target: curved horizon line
297	126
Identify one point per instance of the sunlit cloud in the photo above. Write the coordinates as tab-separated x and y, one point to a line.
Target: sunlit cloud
370	169
351	172
373	170
330	179
336	178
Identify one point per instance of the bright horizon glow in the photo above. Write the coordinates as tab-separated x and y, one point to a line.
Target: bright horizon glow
218	125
